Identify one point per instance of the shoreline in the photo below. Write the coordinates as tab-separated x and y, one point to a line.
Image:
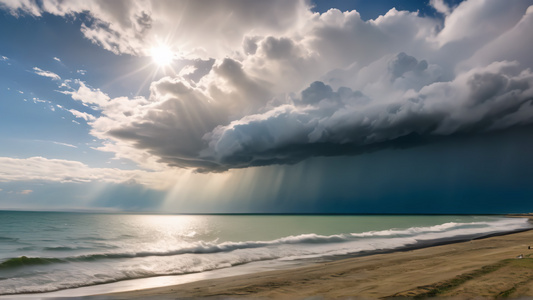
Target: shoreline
398	273
131	287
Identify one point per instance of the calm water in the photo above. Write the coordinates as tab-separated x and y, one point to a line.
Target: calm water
42	251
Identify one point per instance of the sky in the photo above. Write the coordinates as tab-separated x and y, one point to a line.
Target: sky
301	106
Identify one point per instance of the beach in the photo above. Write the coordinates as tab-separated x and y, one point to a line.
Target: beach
255	256
481	268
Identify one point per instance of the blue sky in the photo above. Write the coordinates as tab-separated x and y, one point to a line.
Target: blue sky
267	106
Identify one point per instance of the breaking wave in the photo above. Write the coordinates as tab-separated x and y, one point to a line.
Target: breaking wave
24	261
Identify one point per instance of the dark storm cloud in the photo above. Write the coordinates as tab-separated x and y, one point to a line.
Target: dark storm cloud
330	123
256	90
325	122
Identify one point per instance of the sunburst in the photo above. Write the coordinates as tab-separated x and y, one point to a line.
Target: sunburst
162	55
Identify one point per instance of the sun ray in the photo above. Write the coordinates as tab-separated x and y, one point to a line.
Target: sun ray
129	74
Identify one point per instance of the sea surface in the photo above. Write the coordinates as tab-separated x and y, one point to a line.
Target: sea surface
48	251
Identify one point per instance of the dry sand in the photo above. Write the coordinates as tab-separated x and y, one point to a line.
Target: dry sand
486	268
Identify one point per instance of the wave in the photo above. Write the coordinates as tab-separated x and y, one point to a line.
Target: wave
23	261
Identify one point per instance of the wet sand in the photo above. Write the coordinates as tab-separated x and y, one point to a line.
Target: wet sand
484	268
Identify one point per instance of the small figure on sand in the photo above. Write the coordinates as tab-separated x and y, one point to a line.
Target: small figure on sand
520	256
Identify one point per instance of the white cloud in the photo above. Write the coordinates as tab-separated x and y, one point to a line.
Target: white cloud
65	144
81	72
82	115
25	192
87	95
57	59
440	6
18	7
498	49
37	100
44	73
4	58
474	23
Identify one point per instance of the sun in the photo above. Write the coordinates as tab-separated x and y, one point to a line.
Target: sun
162	55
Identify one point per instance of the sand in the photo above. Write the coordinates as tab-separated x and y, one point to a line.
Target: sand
482	269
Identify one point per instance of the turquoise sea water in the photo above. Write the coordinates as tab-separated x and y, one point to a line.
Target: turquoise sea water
46	251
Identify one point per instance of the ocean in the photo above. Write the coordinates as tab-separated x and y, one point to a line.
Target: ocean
51	251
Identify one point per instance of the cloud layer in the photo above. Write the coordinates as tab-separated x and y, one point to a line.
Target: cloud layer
60	170
270	82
